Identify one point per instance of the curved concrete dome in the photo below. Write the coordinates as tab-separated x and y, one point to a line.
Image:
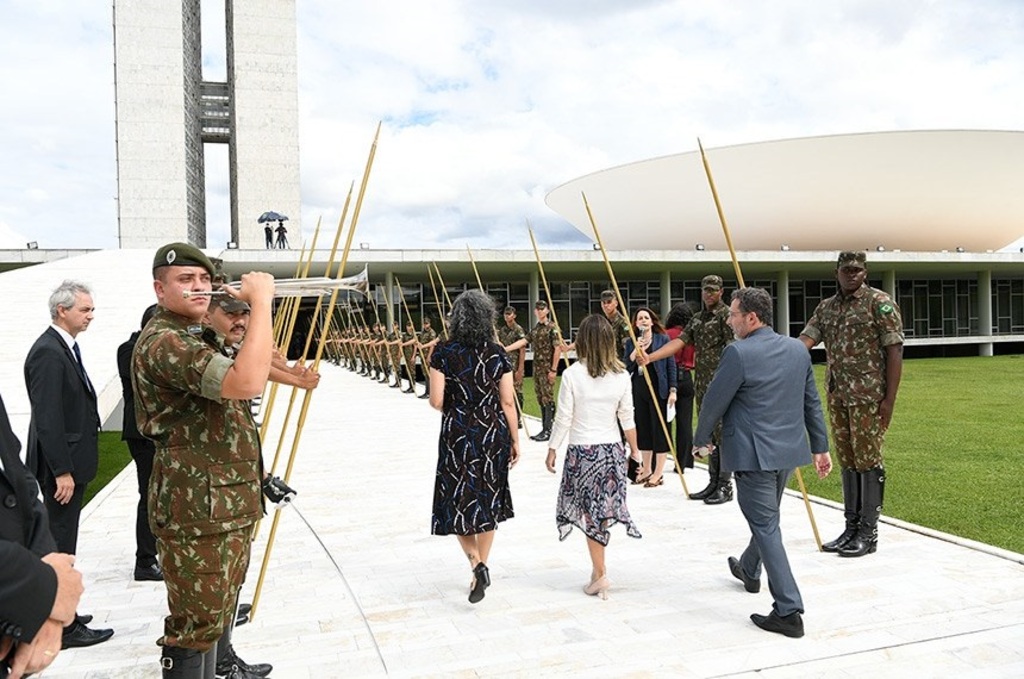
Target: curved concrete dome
917	191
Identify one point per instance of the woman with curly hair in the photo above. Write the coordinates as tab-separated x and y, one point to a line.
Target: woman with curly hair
471	384
594	397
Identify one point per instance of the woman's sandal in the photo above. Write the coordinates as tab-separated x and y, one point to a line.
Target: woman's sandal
642	480
655	484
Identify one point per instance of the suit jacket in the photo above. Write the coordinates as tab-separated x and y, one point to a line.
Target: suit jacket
64	429
129	429
764	393
28	586
664	368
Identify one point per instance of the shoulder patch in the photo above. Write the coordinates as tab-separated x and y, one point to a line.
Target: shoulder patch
885	308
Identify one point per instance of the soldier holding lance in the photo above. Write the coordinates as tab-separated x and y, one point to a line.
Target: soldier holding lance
545	340
509	333
428	339
204	494
863	335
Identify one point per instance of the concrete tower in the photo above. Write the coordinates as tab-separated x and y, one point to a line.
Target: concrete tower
166	112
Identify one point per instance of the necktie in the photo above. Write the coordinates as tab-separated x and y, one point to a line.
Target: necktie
81	367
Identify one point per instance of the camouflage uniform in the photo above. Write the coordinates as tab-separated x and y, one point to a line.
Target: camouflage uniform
856	329
621	327
543	339
395	355
204	493
507	336
409	354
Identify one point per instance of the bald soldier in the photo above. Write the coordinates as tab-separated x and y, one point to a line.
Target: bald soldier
204	495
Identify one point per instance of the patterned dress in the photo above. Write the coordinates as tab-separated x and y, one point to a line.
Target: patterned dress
592	495
471	493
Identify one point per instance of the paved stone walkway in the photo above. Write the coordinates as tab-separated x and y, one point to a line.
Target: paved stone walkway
357	586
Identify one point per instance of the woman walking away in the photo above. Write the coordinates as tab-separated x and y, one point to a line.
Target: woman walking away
650	412
594	397
471	384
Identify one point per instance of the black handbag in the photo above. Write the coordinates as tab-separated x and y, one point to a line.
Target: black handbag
632	468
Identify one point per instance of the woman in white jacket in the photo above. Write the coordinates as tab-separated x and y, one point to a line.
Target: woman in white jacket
595	396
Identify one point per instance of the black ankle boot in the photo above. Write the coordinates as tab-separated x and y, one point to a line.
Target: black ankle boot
714	466
872	489
851	503
181	663
722	492
230	666
547	417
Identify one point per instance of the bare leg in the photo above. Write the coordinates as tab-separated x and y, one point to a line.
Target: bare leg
483	544
659	466
470	548
596	558
645	468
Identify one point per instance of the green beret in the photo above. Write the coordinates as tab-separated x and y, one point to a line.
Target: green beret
181	254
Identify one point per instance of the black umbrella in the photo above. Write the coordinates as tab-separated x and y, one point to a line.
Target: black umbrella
271	217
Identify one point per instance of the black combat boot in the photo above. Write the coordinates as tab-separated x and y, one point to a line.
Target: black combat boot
714	467
851	502
181	663
872	490
723	489
547	417
230	666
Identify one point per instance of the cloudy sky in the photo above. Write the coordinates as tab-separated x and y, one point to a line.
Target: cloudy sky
489	104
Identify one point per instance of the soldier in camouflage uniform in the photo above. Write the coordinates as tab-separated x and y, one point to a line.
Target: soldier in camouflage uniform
546	342
863	335
394	351
204	493
409	355
610	307
427	340
709	332
509	333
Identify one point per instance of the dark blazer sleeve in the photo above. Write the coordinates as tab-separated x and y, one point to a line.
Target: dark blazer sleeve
28	588
129	429
814	420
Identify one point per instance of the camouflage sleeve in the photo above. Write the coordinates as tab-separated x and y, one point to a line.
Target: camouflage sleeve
531	336
725	330
811	329
517	334
888	321
186	364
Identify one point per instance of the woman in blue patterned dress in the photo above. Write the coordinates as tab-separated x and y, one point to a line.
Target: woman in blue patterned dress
471	384
595	395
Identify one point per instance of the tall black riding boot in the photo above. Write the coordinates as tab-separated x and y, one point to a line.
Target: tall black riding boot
714	468
851	503
547	417
872	490
181	663
230	666
723	489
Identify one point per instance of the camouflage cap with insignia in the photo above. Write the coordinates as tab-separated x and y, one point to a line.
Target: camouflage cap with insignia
711	281
852	258
510	310
181	254
541	304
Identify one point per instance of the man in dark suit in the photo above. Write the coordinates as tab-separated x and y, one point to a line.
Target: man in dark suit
63	448
764	394
39	589
142	450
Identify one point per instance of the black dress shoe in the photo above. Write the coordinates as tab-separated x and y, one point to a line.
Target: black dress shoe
151	572
750	584
483	580
791	625
233	666
84	619
77	635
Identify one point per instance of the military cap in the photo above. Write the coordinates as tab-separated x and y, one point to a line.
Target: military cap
852	258
509	310
607	295
230	305
711	281
181	254
541	304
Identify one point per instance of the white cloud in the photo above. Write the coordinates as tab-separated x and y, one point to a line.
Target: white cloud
488	104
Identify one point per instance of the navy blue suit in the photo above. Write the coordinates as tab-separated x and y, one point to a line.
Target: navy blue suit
63	435
764	394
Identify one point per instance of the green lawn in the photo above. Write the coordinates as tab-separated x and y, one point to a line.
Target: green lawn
114	457
953	453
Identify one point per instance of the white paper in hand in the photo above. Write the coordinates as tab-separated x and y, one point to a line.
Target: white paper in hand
670	414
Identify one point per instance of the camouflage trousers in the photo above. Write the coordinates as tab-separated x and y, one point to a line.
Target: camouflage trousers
203	575
542	387
857	434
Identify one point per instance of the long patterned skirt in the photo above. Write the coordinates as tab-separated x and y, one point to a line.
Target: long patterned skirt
592	496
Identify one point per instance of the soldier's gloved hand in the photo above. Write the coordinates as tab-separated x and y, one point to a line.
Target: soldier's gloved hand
277	491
